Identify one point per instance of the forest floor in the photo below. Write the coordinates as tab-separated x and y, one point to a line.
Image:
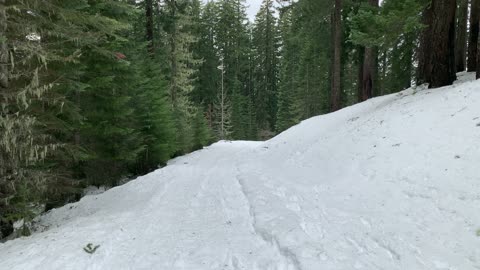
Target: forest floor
392	183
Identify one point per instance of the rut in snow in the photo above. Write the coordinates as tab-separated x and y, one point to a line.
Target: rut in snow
268	237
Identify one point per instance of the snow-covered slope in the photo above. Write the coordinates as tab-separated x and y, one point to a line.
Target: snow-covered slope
392	183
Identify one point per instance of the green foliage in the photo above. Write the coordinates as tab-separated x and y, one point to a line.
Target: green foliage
155	119
373	26
266	44
82	105
201	133
393	29
304	77
234	48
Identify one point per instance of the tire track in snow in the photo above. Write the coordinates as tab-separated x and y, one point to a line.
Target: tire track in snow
266	236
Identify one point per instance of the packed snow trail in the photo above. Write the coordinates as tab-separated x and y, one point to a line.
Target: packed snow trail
392	183
191	215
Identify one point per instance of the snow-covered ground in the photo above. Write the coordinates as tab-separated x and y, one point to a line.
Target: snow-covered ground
392	183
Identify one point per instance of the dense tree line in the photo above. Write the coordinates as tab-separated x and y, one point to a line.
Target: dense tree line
96	92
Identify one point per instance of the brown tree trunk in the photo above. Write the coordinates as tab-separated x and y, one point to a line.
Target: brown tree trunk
3	48
361	52
442	58
337	50
425	49
149	25
461	42
478	62
368	73
473	38
369	68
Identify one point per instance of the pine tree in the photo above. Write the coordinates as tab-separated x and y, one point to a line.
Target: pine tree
265	44
35	110
393	30
285	114
233	43
107	131
183	67
155	119
208	83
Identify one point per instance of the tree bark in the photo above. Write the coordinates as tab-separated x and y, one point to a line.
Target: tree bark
337	50
361	53
3	48
149	25
442	59
461	42
369	68
478	62
425	49
473	38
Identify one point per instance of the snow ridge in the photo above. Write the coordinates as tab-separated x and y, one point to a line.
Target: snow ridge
268	237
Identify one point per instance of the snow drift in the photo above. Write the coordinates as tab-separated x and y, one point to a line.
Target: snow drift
392	183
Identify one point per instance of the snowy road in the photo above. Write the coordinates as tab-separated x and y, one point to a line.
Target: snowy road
392	183
196	217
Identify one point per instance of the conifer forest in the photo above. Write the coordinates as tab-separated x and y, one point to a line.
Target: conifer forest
98	92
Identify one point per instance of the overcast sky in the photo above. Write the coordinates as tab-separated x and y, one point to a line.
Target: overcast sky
252	7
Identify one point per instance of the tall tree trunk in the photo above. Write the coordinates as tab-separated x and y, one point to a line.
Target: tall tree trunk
461	42
337	50
369	68
3	48
425	49
473	38
384	61
442	59
478	62
361	53
149	25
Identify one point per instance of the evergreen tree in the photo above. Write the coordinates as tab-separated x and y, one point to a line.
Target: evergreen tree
44	42
233	43
182	70
265	44
208	83
289	64
393	30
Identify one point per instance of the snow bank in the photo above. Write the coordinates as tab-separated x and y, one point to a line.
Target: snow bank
392	183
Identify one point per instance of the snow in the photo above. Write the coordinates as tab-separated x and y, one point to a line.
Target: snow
392	183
